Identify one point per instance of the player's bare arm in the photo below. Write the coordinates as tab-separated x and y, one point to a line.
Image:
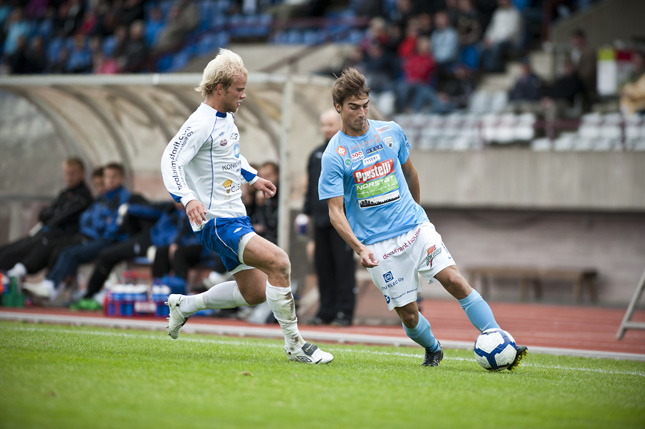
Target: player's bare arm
264	185
412	178
196	212
341	224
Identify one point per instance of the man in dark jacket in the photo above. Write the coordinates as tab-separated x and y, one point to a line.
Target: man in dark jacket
55	221
334	259
99	227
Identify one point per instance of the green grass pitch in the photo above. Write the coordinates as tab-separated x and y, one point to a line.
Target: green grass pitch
84	377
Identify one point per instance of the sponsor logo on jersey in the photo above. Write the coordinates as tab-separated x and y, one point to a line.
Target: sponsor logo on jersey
432	252
235	136
357	156
223	142
387	299
341	150
231	187
348	162
236	150
383	129
176	145
373	149
376	187
375	171
404	246
388	277
389	141
371	159
369	142
232	166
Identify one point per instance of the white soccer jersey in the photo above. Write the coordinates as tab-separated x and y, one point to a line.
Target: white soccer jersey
203	162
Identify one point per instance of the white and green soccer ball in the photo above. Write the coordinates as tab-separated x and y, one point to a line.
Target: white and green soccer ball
495	349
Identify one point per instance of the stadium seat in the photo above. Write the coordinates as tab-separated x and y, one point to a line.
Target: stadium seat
542	144
565	142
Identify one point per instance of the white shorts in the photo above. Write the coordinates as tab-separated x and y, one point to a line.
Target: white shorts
401	260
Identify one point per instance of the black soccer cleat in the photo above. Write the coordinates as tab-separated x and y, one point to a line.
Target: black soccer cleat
433	358
522	351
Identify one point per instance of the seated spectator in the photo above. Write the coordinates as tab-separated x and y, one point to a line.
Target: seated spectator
527	90
456	91
585	61
376	34
562	94
380	68
99	228
632	99
80	59
502	36
36	56
16	27
135	51
165	226
445	43
102	64
59	219
18	60
469	30
154	25
418	74
182	19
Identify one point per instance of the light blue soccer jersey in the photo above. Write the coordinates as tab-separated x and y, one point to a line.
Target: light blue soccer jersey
366	170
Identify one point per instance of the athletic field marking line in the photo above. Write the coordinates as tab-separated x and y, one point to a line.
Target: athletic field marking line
333	348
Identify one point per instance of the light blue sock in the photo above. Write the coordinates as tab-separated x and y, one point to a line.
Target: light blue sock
478	311
422	334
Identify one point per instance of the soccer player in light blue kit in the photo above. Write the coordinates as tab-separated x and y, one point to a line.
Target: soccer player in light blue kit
202	168
372	190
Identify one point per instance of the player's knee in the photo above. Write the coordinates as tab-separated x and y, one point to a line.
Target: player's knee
456	284
281	265
409	318
255	297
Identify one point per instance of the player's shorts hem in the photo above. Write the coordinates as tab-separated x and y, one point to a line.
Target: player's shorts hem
439	269
392	305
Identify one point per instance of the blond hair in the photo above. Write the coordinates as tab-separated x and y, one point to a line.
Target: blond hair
222	69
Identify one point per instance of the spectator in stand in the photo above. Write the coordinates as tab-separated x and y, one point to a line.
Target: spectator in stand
55	221
425	25
36	56
402	13
17	26
97	182
59	65
265	216
131	12
408	45
80	59
445	43
585	61
99	228
632	99
456	91
469	30
380	68
452	10
376	34
527	90
418	76
182	19
154	26
133	58
18	60
102	64
70	15
333	258
502	36
562	94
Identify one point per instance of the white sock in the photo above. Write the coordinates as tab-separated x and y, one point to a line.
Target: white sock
50	285
17	271
223	295
281	302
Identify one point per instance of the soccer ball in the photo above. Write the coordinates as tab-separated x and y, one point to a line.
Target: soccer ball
495	349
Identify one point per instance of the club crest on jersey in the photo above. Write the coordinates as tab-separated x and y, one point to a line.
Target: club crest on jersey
341	150
389	141
432	252
228	185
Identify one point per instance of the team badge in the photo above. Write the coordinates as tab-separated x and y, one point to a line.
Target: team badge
342	151
389	141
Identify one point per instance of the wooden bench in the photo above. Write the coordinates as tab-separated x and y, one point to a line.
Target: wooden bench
480	276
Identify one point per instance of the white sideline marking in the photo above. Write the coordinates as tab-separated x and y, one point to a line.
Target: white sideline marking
279	346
